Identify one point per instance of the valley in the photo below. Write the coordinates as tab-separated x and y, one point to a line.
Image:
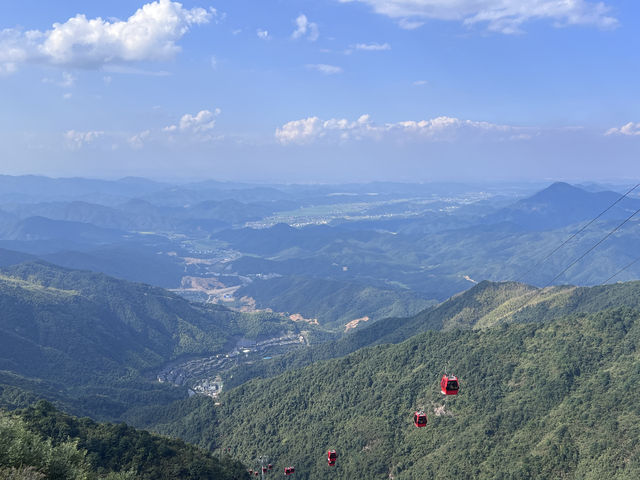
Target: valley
330	329
204	375
319	240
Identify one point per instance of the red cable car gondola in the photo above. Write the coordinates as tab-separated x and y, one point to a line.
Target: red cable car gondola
420	419
449	385
269	466
264	469
331	457
288	470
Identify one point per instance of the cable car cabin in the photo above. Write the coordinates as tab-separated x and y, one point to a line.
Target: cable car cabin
420	419
269	466
332	456
449	385
257	473
293	470
287	470
264	469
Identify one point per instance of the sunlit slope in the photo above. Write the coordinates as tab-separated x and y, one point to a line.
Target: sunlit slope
538	400
483	306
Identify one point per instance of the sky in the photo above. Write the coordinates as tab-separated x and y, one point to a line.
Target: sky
321	90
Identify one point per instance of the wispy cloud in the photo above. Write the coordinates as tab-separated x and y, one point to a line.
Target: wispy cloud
420	83
371	47
505	16
137	141
75	140
262	34
630	129
305	28
67	80
150	34
324	68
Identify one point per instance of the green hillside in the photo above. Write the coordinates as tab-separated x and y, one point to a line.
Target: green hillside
332	303
95	344
538	400
486	305
43	443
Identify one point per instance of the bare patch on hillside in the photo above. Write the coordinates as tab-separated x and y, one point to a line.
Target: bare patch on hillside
354	323
296	317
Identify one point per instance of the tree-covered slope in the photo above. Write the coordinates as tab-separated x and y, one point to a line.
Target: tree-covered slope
41	442
538	400
95	344
485	305
333	303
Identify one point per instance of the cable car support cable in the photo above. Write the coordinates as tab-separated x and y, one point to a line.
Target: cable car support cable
621	270
537	292
523	276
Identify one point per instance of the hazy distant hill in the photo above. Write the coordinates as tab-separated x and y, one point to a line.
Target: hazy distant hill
562	204
10	257
33	189
135	263
41	228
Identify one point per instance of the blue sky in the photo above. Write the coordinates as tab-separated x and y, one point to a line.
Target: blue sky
321	91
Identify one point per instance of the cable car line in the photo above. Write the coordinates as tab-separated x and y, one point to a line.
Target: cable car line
537	292
523	276
621	270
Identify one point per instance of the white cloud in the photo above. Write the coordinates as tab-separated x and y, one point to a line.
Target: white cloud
443	128
630	129
324	68
137	140
67	96
198	125
305	28
420	83
76	140
214	62
371	47
504	16
262	34
149	34
67	80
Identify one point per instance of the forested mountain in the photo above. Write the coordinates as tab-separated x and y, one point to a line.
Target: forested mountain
96	344
546	386
333	303
537	400
41	442
483	306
